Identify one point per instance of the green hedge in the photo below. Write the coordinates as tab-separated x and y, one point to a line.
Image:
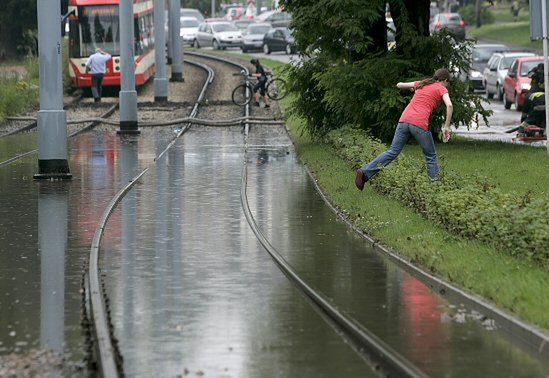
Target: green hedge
465	205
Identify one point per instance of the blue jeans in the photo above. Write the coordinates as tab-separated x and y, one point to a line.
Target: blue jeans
403	132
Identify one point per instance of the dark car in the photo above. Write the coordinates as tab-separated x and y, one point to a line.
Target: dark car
279	39
450	21
480	56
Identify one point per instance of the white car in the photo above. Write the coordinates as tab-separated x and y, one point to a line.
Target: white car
252	36
189	28
219	35
496	70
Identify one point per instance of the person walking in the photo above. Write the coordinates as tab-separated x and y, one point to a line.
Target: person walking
414	121
260	88
97	64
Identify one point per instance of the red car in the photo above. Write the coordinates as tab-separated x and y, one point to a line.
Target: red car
517	81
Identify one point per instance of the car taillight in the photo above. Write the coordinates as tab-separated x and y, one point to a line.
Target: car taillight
461	23
437	25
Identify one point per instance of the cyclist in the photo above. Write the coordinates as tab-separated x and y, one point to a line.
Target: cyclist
260	88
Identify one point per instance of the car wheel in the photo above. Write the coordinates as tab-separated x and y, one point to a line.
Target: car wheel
196	44
266	49
288	49
518	107
215	45
506	103
499	92
488	94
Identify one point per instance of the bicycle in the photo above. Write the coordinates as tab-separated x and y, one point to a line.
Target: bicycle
276	89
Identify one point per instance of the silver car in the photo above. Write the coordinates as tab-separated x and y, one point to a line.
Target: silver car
252	37
219	35
496	70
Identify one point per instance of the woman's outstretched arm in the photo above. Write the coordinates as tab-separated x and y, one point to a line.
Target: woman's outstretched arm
409	85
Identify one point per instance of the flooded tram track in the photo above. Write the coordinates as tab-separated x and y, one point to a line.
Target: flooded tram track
378	355
96	303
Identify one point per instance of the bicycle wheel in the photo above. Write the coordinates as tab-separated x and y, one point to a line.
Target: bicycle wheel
277	89
241	96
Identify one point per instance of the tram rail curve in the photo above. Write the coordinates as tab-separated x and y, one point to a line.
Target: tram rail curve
383	358
108	356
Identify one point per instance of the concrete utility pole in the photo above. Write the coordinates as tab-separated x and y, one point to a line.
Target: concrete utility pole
258	7
213	9
52	119
160	81
128	94
175	30
168	5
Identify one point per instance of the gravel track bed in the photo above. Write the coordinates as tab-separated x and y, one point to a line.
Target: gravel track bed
222	87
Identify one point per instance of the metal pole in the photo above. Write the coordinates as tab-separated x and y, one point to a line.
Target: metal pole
545	64
160	80
258	7
52	120
128	94
169	36
213	9
175	31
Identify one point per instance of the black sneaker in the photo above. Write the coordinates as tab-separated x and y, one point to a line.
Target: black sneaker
267	106
257	104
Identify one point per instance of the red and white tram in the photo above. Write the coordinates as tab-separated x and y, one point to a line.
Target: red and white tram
95	24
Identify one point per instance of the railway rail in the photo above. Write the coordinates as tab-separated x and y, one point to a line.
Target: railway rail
108	356
382	357
91	124
29	126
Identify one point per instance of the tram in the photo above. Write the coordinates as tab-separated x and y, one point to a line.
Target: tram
95	23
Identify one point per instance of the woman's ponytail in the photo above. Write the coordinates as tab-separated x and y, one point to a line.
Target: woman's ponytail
440	75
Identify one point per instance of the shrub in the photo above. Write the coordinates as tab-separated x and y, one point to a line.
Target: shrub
465	205
468	14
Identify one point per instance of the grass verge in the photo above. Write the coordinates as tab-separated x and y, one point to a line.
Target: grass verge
518	286
511	33
20	93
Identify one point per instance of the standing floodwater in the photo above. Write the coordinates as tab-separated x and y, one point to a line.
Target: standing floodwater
191	290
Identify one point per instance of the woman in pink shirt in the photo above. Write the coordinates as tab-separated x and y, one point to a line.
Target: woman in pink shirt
414	121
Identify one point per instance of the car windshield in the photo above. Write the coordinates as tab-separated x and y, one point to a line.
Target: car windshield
218	28
483	54
258	29
189	23
527	66
507	61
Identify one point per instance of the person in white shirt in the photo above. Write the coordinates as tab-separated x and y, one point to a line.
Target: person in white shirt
97	64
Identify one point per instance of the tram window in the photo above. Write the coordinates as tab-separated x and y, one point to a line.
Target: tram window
99	28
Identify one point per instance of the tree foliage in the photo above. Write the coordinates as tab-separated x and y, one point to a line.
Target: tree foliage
18	25
348	75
